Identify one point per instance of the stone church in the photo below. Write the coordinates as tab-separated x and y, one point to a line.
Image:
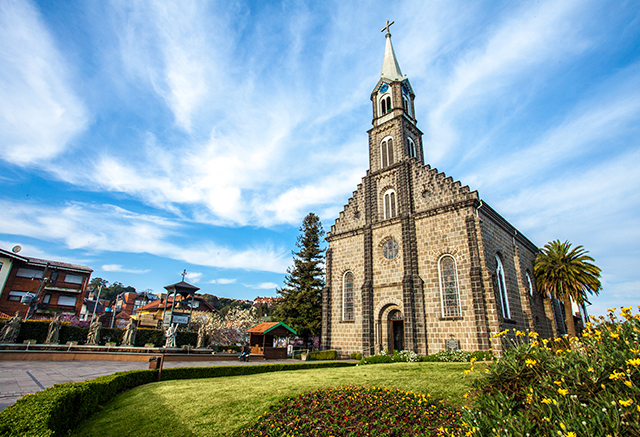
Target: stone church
417	261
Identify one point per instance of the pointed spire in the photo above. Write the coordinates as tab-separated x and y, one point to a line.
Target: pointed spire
390	68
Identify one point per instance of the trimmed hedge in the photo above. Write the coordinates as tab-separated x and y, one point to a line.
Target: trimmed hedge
37	330
59	409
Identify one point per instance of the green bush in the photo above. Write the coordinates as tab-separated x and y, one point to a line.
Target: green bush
226	347
397	357
323	355
356	356
590	386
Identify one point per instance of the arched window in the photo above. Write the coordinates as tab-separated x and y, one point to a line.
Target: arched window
529	284
449	293
502	288
386	151
405	105
411	148
385	104
390	209
347	296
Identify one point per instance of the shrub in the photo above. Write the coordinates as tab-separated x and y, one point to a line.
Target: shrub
588	387
397	357
323	355
356	356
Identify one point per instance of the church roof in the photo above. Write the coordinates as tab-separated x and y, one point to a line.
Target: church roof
390	67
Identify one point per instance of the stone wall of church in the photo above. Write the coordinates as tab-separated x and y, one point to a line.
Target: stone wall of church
353	215
536	307
498	240
347	255
438	235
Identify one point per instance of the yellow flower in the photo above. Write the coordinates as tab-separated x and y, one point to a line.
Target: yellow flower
530	362
628	383
633	362
635	351
534	334
626	403
571	434
520	334
548	401
563	391
557	382
590	369
615	335
611	310
616	375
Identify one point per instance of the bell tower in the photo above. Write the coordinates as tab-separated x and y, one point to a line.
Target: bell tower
394	136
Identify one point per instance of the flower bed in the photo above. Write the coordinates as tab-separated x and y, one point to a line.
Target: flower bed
357	411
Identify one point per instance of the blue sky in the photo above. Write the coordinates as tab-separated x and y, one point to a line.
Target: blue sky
144	138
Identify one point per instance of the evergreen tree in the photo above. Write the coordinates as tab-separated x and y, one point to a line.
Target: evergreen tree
301	306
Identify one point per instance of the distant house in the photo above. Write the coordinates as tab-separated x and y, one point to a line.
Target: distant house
89	306
268	301
150	315
60	287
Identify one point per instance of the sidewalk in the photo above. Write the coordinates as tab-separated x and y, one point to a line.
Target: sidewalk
18	378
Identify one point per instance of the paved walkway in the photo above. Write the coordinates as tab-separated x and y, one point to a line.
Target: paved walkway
17	378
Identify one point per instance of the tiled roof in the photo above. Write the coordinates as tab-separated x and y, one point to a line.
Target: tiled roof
266	327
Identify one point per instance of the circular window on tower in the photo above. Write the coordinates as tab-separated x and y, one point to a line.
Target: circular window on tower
390	249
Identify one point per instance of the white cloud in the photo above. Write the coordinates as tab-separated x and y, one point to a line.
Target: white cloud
119	268
40	113
222	281
109	228
194	277
525	43
262	286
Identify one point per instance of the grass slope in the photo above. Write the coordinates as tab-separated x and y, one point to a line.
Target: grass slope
222	406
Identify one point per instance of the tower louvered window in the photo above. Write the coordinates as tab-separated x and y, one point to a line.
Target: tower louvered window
449	292
385	104
390	209
411	148
347	296
386	150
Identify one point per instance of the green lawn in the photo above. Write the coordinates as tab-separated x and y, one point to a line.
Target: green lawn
221	406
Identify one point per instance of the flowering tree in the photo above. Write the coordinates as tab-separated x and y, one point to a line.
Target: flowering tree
229	329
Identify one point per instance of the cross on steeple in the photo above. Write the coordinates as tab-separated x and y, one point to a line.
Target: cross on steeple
387	27
184	273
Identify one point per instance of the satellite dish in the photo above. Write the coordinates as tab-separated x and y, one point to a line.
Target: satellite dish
16	249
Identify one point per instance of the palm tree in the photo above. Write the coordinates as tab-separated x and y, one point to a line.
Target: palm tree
567	274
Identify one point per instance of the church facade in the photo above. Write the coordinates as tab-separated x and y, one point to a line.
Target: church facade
417	261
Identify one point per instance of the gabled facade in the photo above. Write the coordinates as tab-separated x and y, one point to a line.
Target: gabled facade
417	261
60	287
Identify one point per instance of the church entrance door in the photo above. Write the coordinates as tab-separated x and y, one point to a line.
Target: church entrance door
398	334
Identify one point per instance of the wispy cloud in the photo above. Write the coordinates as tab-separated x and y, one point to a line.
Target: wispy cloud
109	228
194	277
523	42
40	113
262	286
222	281
119	268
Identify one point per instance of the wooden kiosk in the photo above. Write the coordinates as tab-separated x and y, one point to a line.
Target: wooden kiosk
261	339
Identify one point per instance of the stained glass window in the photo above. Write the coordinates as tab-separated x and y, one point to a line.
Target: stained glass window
347	296
502	289
449	287
390	249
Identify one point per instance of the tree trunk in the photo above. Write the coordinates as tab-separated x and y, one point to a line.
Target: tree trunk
568	316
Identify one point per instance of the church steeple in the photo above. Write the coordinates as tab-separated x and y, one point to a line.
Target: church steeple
395	136
390	67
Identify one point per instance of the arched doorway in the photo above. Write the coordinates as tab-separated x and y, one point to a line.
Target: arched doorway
396	331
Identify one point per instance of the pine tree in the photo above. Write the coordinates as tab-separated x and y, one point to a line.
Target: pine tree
301	306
